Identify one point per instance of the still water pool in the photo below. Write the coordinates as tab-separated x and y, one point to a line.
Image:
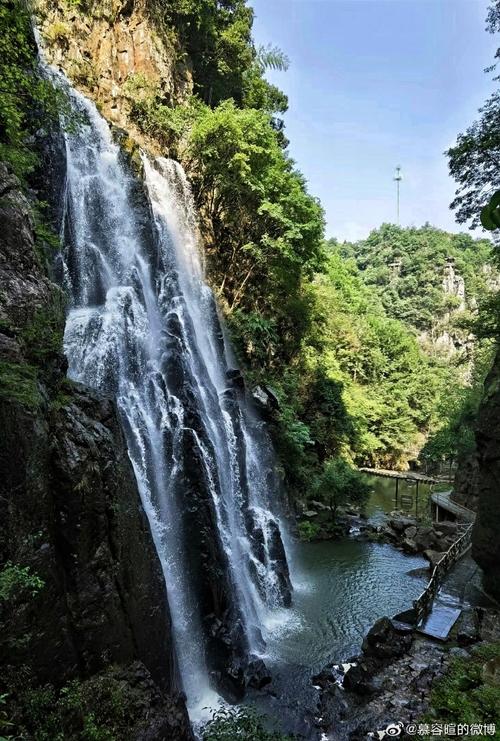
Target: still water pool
341	588
383	497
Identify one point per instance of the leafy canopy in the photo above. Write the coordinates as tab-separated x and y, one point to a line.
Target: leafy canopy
27	100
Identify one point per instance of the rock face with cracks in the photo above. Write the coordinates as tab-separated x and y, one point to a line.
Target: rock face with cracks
70	510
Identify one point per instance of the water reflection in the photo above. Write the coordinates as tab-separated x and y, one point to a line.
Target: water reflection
344	586
383	498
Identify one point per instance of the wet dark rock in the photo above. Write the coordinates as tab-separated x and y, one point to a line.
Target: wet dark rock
448	528
278	555
359	678
235	377
70	509
434	557
401	523
426	539
485	540
409	546
257	674
420	572
385	641
468	627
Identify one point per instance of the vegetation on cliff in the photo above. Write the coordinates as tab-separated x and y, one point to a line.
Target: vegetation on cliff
335	330
28	101
466	693
407	267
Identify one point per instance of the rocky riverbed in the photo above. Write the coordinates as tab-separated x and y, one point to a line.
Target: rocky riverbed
411	536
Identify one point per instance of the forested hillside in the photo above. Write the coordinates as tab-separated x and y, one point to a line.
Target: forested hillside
427	278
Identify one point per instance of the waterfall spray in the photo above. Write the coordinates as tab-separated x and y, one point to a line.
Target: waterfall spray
143	326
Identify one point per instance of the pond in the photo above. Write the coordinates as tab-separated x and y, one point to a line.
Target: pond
341	588
383	498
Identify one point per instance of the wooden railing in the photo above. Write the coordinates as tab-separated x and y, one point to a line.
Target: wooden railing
422	604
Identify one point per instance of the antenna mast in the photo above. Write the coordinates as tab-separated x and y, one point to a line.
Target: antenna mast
398	177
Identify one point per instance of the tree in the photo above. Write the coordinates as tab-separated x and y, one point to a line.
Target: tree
474	162
26	98
231	724
339	484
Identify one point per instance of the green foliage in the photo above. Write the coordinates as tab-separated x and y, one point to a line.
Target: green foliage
461	693
104	707
308	530
18	382
217	37
43	334
473	162
16	581
339	484
490	214
26	98
231	724
406	267
457	408
267	229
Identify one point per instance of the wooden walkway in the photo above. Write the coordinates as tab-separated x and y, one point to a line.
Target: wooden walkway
434	617
442	500
405	475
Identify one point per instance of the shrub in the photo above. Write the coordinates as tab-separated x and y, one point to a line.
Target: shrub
232	724
308	530
461	694
16	580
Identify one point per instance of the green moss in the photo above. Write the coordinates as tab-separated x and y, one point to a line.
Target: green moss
462	696
63	396
18	382
43	335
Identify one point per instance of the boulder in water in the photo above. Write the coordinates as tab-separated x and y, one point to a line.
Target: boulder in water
235	377
358	678
385	641
257	674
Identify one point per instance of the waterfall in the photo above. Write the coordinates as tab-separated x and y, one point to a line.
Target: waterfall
143	326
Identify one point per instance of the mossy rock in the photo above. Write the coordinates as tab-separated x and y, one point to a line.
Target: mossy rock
19	383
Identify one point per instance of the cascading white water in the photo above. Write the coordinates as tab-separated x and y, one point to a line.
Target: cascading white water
143	325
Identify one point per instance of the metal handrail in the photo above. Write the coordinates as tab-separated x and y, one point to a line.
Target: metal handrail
455	551
442	499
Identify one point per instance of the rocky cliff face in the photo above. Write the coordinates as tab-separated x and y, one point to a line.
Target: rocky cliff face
71	514
112	51
486	535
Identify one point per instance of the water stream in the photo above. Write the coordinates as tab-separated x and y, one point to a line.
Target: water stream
143	326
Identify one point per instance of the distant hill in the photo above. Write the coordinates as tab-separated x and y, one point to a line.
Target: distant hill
427	278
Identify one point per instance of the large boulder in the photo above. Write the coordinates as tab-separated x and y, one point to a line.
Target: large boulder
358	678
400	524
385	641
265	399
434	557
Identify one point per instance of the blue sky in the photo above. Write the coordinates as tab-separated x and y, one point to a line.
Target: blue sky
373	84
